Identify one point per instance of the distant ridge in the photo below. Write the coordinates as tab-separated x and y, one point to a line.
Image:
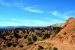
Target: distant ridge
57	25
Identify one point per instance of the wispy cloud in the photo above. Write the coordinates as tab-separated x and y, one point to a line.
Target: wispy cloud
62	15
8	3
20	4
32	9
59	17
54	13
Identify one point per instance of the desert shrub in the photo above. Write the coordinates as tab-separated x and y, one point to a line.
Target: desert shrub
55	31
55	48
21	46
45	36
39	34
16	35
29	41
0	34
43	30
15	44
40	48
34	38
25	36
9	44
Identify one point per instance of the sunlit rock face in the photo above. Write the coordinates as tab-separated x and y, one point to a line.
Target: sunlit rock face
68	31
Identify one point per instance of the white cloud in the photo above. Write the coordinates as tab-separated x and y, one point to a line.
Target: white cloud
20	4
8	3
32	9
62	15
59	17
54	13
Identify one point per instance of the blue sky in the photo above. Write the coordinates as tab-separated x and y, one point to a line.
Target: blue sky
35	12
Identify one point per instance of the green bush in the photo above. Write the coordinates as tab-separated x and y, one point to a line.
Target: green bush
29	41
34	38
55	31
55	48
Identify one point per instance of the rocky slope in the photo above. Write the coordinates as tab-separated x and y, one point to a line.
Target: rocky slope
68	31
64	40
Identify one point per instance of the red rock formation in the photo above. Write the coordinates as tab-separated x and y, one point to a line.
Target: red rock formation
68	31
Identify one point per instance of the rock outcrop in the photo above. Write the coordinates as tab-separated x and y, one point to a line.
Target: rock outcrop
65	39
68	31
